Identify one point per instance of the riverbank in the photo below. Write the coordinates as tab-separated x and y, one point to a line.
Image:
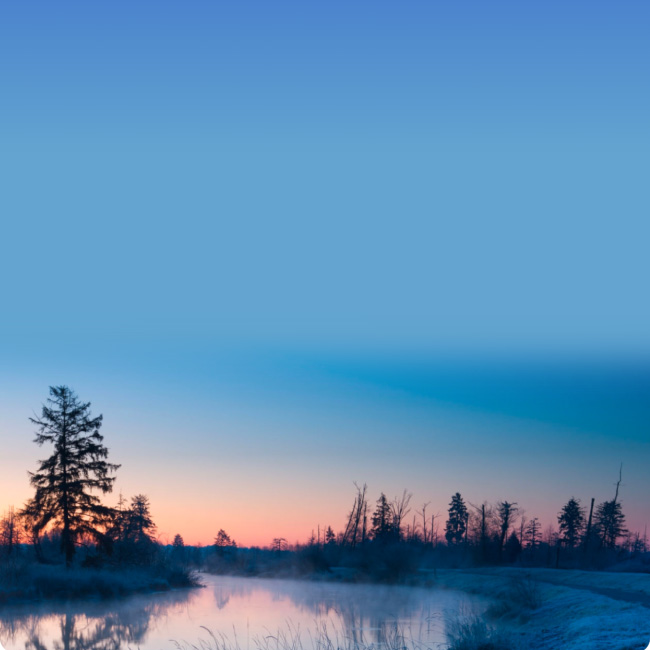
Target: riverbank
552	609
24	581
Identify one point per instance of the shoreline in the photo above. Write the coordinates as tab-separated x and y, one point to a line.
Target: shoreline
572	612
54	583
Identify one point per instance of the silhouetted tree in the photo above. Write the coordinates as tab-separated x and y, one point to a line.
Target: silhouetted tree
610	520
506	514
141	527
533	534
223	543
400	508
512	547
456	527
178	549
10	532
427	533
330	536
571	522
482	521
119	526
77	466
382	520
355	530
610	523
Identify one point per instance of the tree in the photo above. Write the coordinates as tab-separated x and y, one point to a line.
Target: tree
512	547
141	528
223	542
482	521
382	520
356	528
457	521
610	520
571	522
10	533
400	508
178	549
610	523
330	536
506	514
533	534
64	482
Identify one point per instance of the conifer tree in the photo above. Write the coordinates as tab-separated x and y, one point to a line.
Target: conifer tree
610	522
506	515
533	534
571	522
64	482
141	527
330	536
457	520
382	520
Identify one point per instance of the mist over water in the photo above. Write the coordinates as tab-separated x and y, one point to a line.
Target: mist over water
248	613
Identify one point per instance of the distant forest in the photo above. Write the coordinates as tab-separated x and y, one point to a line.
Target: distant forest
65	529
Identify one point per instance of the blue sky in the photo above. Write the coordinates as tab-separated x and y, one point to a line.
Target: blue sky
322	211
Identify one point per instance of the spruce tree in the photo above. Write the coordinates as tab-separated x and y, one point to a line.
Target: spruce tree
141	527
533	534
330	536
571	521
382	520
506	515
610	522
77	466
457	520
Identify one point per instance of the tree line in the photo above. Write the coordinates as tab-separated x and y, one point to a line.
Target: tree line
65	513
489	533
389	540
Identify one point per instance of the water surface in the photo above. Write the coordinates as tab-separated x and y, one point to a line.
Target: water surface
244	613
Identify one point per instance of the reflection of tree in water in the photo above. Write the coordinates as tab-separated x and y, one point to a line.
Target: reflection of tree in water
88	627
227	588
367	614
363	614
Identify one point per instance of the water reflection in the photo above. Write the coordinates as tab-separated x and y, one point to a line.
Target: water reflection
87	626
362	615
251	613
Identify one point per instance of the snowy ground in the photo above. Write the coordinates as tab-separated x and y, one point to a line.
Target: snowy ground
579	610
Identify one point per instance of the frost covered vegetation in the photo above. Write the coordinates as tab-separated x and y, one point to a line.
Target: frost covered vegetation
66	543
466	633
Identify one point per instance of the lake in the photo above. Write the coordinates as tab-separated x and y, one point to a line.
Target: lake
244	614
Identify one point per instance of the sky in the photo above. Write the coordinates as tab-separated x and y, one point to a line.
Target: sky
287	246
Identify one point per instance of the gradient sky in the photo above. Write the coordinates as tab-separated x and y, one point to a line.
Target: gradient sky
285	246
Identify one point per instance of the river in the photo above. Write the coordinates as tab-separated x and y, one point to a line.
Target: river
244	614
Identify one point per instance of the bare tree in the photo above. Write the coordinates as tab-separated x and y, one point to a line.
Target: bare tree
423	514
10	533
400	508
357	519
484	515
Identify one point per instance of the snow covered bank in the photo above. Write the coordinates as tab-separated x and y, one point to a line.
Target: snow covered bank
577	610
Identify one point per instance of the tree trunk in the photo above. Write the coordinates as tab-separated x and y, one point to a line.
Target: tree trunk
588	535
